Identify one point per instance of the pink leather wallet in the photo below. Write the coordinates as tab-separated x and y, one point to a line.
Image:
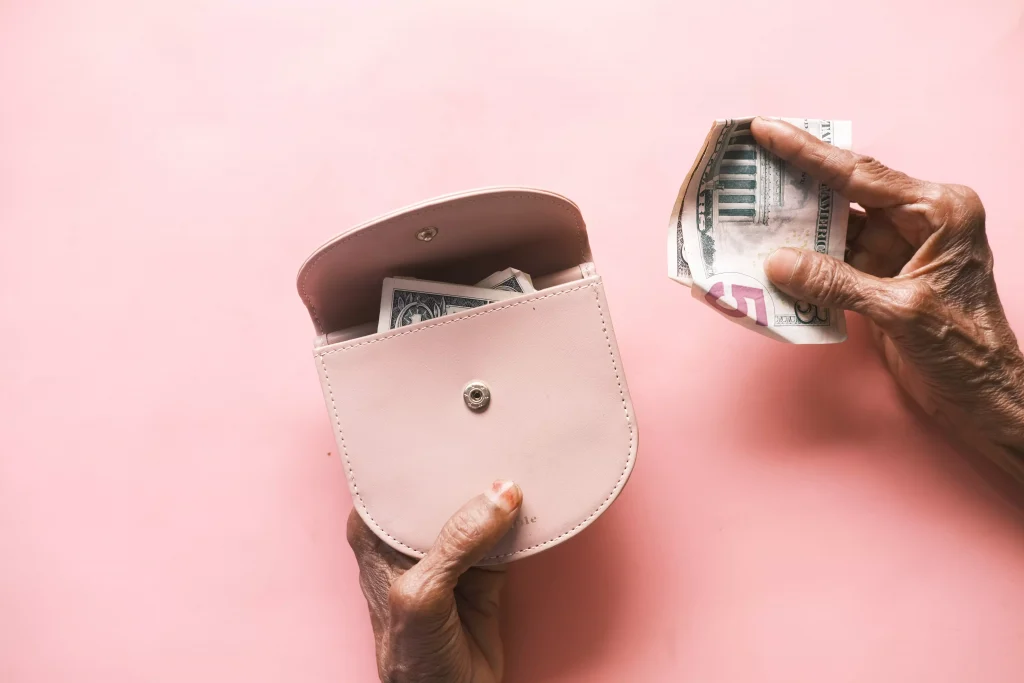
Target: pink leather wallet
413	440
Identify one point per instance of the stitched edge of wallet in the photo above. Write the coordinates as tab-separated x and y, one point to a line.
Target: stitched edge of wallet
630	453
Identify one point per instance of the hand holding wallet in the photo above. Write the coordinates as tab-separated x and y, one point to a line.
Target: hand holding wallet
437	619
416	435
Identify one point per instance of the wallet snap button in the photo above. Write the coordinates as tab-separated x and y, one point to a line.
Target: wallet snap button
426	234
477	395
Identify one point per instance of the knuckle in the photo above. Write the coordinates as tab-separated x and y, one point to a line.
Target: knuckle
934	194
373	587
939	204
827	282
843	167
863	162
407	596
870	167
461	531
802	144
969	198
415	595
956	205
970	204
910	305
391	672
822	279
836	165
877	173
768	137
918	303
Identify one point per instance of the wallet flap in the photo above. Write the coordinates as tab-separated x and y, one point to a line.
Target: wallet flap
460	238
559	421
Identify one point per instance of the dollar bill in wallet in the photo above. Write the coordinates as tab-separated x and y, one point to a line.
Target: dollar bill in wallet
405	301
739	203
510	279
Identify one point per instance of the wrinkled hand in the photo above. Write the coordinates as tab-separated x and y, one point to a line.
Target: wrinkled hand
436	620
919	268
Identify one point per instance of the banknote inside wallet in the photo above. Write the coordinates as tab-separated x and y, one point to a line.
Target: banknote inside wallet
457	239
540	283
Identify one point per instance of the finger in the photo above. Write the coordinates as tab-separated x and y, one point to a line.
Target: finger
880	240
856	223
372	555
360	538
955	207
880	249
874	234
464	540
478	600
375	571
825	281
481	589
859	178
872	263
366	544
472	531
854	226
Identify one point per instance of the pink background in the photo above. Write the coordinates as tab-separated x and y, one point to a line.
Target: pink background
168	507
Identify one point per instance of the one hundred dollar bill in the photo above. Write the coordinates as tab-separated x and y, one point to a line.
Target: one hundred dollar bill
738	204
406	301
510	280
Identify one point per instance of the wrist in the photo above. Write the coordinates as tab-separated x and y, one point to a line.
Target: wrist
1009	427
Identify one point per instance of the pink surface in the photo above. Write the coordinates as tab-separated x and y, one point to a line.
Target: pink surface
168	507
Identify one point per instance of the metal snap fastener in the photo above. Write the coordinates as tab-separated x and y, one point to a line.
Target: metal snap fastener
476	395
426	234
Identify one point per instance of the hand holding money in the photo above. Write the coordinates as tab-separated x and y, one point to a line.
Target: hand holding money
920	269
738	204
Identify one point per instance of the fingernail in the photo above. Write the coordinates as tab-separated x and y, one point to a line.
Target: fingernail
505	494
780	265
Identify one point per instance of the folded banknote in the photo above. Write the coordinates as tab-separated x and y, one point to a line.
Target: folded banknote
739	203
